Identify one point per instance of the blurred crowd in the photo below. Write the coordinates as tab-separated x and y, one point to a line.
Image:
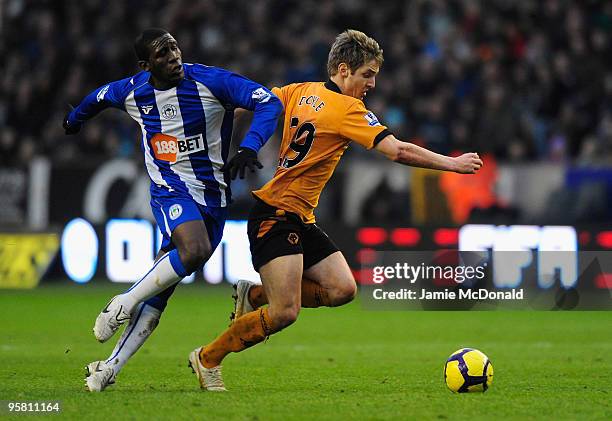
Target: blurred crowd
524	80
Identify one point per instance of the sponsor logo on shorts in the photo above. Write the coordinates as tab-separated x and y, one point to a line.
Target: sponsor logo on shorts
168	111
293	238
175	211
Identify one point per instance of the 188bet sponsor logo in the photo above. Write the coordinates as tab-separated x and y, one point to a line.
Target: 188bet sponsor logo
167	148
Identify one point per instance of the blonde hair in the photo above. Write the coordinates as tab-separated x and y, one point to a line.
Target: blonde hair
355	49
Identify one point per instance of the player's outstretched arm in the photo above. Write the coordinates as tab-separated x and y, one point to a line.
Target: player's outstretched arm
416	156
110	95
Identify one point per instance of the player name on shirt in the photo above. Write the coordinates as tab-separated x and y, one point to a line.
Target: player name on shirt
320	123
313	101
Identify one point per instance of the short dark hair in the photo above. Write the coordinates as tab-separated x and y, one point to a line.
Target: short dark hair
355	49
143	41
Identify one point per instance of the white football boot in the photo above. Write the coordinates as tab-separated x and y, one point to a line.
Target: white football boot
98	375
242	304
210	378
110	319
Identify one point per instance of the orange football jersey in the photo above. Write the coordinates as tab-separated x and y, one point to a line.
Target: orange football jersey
320	122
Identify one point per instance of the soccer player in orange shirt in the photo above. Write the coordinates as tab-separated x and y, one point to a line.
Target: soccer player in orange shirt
298	263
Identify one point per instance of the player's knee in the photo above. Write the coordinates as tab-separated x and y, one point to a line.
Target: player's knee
194	254
344	292
285	316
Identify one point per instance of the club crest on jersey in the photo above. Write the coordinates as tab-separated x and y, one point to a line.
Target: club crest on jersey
261	95
102	93
168	111
175	211
146	109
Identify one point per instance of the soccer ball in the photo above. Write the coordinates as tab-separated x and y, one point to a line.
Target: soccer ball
468	370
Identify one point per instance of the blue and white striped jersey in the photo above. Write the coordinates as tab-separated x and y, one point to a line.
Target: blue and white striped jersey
186	130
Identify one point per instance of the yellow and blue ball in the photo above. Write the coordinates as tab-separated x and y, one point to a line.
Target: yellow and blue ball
468	370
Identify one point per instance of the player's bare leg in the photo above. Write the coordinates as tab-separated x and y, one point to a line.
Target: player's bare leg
193	248
328	283
332	282
281	278
249	296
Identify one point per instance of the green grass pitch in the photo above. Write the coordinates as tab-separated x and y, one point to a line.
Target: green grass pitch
342	363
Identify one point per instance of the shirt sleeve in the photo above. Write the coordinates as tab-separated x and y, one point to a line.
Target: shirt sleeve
239	92
362	126
265	105
110	95
281	93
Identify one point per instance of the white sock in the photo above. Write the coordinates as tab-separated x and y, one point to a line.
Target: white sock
167	271
138	330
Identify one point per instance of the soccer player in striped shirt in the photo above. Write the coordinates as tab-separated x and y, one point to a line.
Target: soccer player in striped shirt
185	112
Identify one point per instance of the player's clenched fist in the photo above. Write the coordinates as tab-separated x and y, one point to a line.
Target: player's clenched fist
245	157
70	129
468	163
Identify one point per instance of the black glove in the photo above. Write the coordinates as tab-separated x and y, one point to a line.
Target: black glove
245	157
70	129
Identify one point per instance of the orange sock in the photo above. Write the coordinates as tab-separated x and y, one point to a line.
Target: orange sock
257	296
249	330
313	295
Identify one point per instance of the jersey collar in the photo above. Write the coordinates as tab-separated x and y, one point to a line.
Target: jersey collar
332	86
